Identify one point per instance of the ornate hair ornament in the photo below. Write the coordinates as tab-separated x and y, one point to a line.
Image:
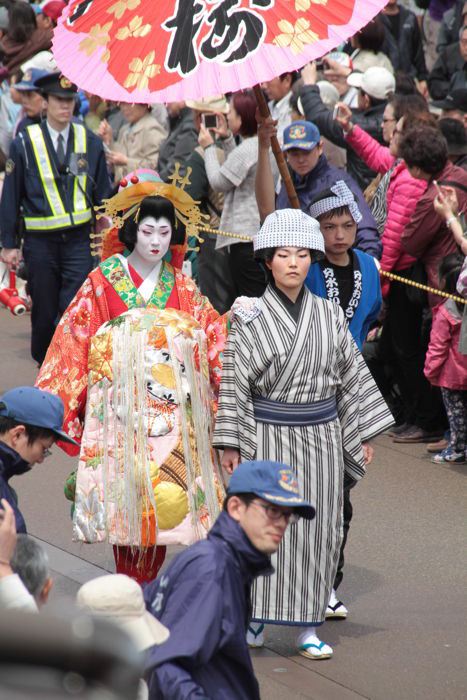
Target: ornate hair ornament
344	198
128	200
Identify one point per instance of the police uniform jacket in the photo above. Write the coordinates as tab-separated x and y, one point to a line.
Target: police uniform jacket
47	196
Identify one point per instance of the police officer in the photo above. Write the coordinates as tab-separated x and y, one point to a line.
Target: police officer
55	174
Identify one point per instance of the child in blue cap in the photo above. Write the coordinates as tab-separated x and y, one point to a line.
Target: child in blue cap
30	422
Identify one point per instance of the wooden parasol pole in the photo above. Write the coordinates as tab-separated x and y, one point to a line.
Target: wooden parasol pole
276	149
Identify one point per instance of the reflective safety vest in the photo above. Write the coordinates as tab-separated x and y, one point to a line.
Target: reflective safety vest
60	218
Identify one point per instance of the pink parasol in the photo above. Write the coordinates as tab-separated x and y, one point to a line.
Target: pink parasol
168	50
144	51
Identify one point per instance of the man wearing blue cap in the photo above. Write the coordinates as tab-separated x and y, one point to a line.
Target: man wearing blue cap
203	597
311	174
30	422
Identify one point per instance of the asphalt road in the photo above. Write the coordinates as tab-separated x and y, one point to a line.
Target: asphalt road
404	580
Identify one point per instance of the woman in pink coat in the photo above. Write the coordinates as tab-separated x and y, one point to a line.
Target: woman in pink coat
445	366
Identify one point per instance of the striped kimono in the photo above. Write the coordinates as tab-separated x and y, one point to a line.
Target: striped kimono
295	364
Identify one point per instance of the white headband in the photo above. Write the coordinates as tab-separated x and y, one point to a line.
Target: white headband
289	228
343	198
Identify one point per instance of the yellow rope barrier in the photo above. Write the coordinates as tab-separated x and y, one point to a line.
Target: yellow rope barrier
389	275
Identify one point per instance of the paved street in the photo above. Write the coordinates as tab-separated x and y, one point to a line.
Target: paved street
404	577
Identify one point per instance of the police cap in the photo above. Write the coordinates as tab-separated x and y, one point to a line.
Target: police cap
56	84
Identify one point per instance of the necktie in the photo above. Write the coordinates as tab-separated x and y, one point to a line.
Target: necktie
60	150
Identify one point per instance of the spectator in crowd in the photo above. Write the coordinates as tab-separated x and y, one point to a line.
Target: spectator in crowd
48	12
375	86
181	141
454	132
449	71
403	42
4	22
367	45
446	205
213	270
138	144
427	237
235	178
452	21
311	174
31	563
454	105
446	365
30	422
23	38
114	116
279	92
335	68
31	99
431	24
13	592
96	112
207	655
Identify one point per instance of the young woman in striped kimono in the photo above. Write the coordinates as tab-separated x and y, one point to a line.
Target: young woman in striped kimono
296	389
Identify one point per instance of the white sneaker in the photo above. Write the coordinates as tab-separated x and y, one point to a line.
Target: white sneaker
337	611
255	635
312	647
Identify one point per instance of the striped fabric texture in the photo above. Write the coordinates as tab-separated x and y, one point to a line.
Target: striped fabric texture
300	363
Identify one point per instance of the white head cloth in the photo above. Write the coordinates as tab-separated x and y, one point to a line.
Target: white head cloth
289	228
343	198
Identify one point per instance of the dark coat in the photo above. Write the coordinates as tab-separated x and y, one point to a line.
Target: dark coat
203	597
449	73
427	237
11	464
406	52
179	145
370	120
321	178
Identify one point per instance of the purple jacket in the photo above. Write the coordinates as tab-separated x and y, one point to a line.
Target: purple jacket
321	178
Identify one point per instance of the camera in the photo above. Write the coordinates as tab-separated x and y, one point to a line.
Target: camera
210	121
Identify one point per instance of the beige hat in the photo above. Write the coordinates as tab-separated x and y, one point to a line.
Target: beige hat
44	60
210	104
119	598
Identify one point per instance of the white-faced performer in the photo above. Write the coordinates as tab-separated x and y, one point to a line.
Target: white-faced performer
295	388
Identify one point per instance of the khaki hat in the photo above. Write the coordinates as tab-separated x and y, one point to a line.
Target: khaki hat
210	104
119	598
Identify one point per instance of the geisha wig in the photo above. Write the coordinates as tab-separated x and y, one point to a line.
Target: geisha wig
157	207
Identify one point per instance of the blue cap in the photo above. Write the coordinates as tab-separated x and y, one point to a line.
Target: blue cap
29	77
27	404
273	482
301	134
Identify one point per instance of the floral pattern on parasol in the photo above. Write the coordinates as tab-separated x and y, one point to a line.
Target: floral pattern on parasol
147	50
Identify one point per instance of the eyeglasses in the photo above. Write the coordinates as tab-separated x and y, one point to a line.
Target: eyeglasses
275	513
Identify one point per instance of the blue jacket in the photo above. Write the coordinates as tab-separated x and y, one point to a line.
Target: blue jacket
370	302
23	193
11	464
203	597
321	178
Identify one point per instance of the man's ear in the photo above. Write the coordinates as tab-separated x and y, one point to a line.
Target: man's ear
44	594
235	507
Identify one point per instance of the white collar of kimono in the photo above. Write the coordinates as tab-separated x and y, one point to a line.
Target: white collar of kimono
148	285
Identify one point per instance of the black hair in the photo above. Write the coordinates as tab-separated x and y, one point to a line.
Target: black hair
338	211
453	131
449	270
374	101
405	83
371	37
294	75
424	147
156	207
247	498
22	22
33	432
409	106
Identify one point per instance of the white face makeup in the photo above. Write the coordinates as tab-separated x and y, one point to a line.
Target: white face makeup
153	239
